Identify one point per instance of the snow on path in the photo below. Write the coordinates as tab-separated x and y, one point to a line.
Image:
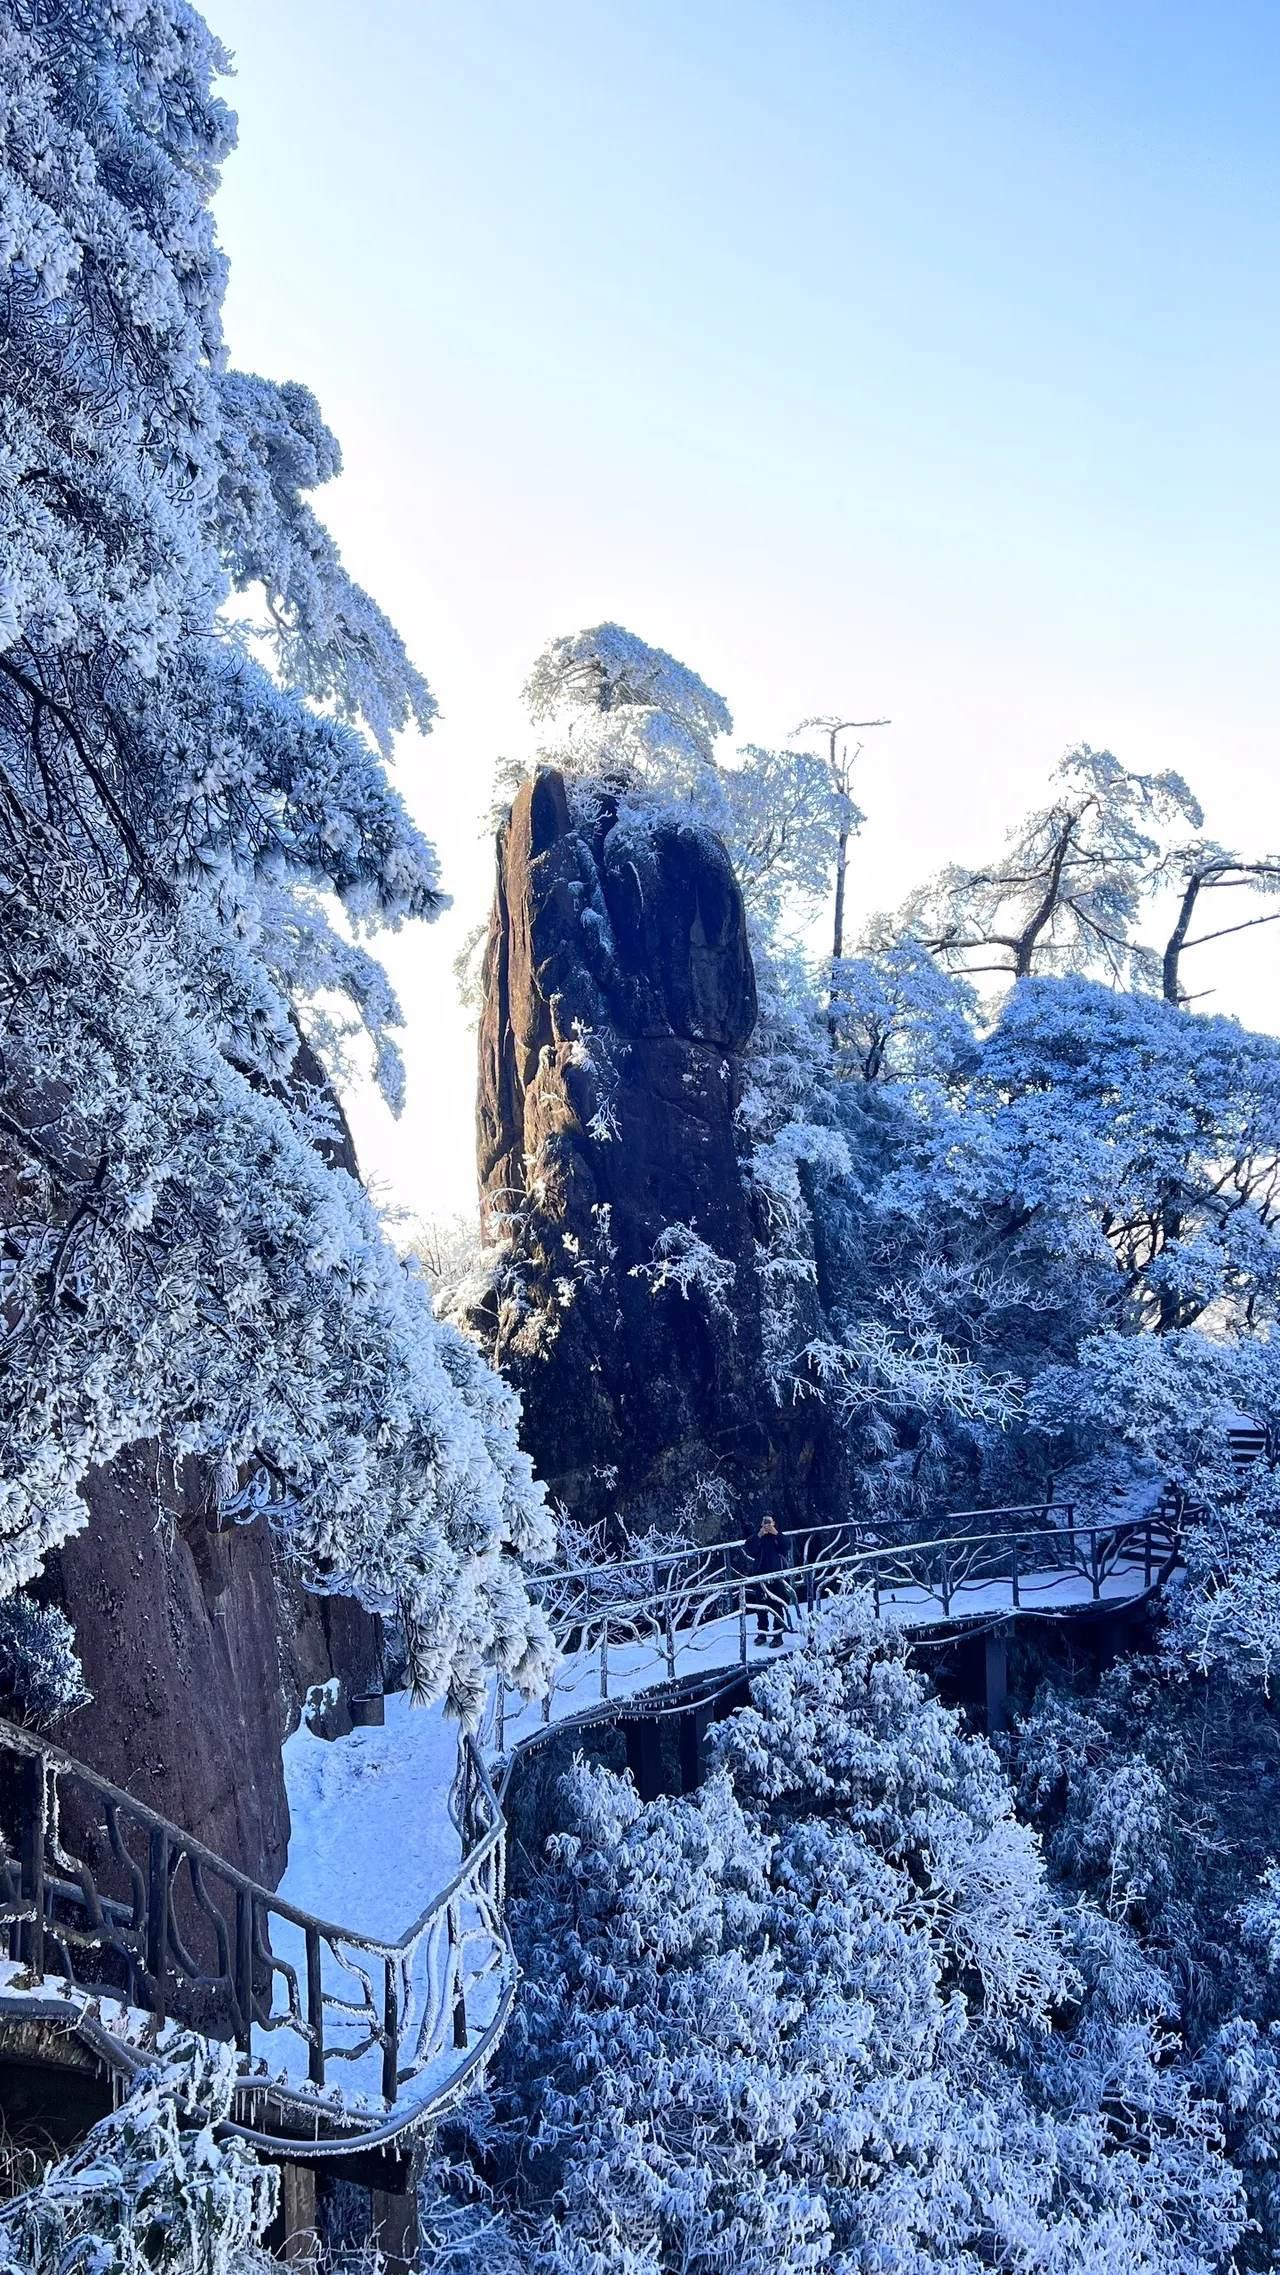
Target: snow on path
371	1845
372	1839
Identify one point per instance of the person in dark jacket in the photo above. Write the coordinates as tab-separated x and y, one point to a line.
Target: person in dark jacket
767	1555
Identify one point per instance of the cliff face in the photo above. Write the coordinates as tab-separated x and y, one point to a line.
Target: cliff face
619	994
198	1653
197	1646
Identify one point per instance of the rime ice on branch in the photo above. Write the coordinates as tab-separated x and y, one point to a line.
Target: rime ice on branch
197	830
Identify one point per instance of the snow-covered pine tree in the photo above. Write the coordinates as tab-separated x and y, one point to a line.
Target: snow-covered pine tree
41	1679
1065	894
828	2013
187	796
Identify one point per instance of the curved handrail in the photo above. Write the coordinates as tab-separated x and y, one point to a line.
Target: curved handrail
448	1982
14	1739
181	1934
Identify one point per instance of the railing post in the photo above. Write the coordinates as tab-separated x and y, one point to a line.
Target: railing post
315	2009
497	1868
1146	1554
157	1933
604	1659
391	2027
1017	1596
1095	1574
671	1642
459	1990
35	1813
244	1969
466	1797
742	1626
997	1682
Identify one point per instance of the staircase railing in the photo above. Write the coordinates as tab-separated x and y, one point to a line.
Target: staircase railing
100	1893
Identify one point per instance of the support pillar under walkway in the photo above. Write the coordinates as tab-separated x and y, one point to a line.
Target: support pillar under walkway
997	1680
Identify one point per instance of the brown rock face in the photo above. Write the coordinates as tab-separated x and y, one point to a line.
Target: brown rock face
619	994
196	1645
198	1653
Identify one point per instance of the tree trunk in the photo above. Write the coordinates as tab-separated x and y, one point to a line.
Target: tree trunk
1172	981
842	863
1024	954
840	778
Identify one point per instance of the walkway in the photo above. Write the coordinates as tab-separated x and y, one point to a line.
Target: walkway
627	1629
348	2034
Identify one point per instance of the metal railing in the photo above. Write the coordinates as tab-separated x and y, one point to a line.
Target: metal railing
100	1893
624	1628
592	1587
348	2037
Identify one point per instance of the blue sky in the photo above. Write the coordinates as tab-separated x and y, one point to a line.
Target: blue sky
920	358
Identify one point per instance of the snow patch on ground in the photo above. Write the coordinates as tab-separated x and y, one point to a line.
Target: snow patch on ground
372	1840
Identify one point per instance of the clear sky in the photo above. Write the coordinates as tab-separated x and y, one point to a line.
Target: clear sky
916	356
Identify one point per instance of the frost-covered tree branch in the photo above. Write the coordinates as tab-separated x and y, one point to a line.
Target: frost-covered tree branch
683	1260
197	832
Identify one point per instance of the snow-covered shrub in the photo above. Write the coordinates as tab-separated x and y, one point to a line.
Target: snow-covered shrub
782	827
683	1260
156	2189
812	2017
41	1678
900	1022
707	1509
878	1365
1157	1791
623	1570
447	1250
151	2190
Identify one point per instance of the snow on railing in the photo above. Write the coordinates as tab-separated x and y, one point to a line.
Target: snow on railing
345	2037
106	1898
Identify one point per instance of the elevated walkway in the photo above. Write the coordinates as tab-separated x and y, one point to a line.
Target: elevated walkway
349	2035
635	1628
